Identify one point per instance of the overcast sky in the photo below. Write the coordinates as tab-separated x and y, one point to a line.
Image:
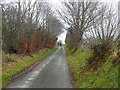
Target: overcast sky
56	3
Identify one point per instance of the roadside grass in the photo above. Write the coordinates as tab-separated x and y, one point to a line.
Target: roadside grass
104	77
18	63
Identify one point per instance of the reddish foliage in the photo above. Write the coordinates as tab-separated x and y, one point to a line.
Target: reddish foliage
23	45
31	48
37	41
43	44
34	43
50	43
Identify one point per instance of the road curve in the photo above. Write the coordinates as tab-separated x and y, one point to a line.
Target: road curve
49	73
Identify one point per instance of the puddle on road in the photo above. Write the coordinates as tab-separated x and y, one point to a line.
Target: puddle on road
30	78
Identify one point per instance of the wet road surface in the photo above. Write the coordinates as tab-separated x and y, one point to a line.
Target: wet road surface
49	73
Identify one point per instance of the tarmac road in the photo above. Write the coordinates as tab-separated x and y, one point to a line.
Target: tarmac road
51	72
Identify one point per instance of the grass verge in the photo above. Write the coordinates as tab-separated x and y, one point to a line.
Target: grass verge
104	77
15	64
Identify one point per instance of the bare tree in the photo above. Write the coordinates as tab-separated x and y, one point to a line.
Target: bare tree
78	16
23	19
102	36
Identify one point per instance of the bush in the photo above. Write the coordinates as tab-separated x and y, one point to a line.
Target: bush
101	49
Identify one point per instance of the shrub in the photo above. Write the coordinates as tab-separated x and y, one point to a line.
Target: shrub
101	49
